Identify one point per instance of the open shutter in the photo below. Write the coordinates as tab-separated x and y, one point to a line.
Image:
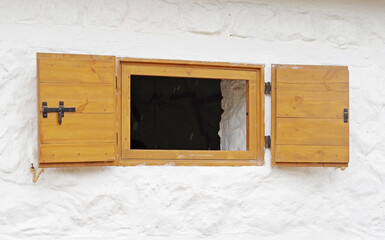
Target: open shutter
310	125
87	133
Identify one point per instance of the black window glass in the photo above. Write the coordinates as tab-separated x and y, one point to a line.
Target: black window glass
175	113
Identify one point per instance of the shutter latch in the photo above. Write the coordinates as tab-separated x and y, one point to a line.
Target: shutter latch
267	142
346	115
267	87
60	110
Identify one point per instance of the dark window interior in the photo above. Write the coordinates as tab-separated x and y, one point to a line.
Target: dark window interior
175	113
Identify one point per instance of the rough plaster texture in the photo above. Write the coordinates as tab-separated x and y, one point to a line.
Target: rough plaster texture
168	202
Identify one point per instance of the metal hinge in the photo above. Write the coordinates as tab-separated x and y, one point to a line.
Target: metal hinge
267	142
117	139
116	82
267	87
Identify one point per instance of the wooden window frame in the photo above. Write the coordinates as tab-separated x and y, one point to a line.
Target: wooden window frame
253	74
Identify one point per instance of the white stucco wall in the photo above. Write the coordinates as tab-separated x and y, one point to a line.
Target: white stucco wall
168	202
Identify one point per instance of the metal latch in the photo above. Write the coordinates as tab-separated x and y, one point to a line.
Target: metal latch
267	142
267	88
346	115
60	110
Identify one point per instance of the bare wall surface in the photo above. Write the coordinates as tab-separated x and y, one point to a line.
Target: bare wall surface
167	202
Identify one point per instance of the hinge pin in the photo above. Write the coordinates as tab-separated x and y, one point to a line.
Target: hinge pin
267	88
267	141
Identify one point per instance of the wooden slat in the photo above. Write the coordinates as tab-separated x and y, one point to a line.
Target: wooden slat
135	162
86	98
312	76
187	154
57	153
76	70
193	72
310	164
321	154
316	87
77	128
198	64
303	131
311	104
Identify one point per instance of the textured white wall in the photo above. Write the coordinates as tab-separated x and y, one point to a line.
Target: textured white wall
168	202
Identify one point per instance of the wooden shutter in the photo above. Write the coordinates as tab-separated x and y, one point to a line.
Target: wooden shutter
308	125
86	83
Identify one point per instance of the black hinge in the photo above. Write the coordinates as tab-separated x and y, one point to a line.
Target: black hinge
267	87
267	142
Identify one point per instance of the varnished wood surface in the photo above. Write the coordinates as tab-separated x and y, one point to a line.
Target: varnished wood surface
94	152
85	97
300	153
299	100
312	131
307	115
88	84
255	130
77	127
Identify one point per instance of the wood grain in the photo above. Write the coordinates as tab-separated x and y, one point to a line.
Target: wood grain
310	104
254	107
88	84
86	98
58	153
78	128
307	116
193	72
76	70
99	106
321	154
312	75
312	131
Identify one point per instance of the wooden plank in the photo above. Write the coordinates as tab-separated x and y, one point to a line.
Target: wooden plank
299	66
185	63
273	134
338	165
187	154
316	87
260	109
76	70
77	127
74	56
312	76
58	153
309	164
151	162
193	72
86	98
321	154
311	104
312	131
126	111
